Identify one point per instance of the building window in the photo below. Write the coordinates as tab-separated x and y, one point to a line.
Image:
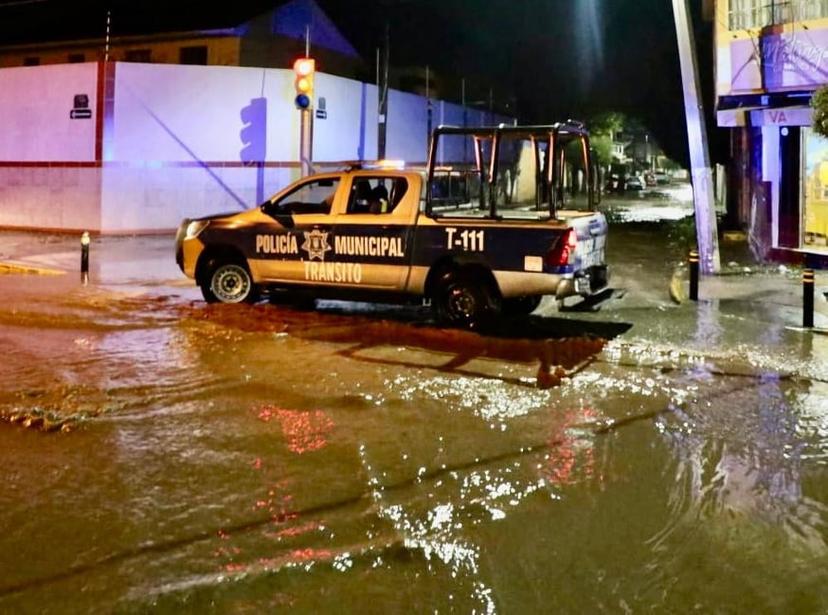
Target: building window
138	55
75	58
31	61
815	194
193	55
752	14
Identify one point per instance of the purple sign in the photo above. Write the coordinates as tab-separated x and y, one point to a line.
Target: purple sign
793	60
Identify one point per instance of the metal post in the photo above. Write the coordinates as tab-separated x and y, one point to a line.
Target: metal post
706	231
429	114
808	298
383	96
85	240
694	275
305	141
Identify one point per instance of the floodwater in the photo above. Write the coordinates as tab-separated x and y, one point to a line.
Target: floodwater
159	454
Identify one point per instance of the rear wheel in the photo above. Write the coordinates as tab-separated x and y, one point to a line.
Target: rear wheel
228	281
465	300
521	306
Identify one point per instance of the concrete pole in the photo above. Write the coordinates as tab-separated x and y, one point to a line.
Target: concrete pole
703	198
382	115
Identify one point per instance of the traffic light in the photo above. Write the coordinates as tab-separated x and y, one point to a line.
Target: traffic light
254	131
304	69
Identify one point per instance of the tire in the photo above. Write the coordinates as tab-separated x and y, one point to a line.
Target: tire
464	300
228	281
521	306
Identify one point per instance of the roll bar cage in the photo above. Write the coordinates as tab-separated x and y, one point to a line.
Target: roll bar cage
548	175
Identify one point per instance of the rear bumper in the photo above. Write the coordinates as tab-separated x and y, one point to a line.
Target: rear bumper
585	283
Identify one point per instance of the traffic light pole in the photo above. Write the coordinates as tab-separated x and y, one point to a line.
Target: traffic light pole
305	141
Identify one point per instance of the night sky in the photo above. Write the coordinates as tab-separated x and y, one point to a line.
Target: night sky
554	59
560	58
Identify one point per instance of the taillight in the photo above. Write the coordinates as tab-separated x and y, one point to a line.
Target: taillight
564	250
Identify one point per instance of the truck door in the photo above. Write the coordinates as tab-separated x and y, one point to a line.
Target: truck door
373	233
298	246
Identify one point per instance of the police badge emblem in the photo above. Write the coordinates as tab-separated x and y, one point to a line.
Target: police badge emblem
316	244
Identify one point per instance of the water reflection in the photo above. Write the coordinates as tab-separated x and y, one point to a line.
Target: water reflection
556	358
303	431
740	453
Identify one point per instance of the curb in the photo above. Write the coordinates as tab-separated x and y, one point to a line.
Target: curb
11	268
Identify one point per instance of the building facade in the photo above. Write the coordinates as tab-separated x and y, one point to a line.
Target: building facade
771	56
270	38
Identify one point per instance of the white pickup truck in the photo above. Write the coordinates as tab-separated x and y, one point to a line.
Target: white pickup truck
499	218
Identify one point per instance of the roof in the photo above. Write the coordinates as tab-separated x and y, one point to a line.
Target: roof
41	21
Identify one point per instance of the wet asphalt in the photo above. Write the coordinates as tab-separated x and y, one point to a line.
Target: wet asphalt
638	454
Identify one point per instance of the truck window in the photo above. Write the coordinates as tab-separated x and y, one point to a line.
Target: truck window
313	197
510	173
376	195
459	181
571	168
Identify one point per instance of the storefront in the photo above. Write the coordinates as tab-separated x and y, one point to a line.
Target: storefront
769	62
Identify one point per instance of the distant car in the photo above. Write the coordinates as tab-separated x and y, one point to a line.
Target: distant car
613	183
662	177
634	182
650	180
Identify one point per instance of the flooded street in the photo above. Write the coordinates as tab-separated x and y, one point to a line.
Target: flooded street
161	454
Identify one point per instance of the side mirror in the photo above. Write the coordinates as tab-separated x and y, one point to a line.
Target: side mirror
280	212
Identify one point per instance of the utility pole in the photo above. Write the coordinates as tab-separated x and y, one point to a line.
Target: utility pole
382	116
428	108
703	198
465	115
108	34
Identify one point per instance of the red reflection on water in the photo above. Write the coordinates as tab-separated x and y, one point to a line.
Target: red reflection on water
571	454
304	431
292	532
306	555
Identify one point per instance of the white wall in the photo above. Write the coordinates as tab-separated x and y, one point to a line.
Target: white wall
34	113
146	199
172	142
50	198
407	132
172	113
350	130
37	131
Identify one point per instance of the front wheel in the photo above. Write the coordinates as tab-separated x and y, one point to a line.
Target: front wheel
464	300
229	282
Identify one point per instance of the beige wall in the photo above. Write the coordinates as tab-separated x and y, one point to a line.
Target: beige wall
222	51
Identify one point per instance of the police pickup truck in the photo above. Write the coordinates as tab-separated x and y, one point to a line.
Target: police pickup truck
497	219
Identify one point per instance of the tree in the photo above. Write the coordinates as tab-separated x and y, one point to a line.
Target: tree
602	146
819	103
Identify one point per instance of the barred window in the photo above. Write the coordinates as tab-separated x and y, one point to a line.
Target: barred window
752	14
